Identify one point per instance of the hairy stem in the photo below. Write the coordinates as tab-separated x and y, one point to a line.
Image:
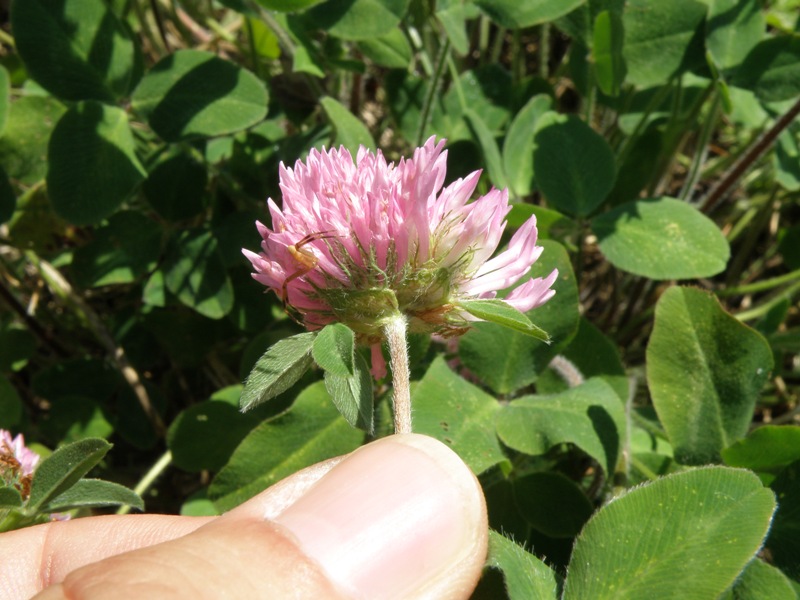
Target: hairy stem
395	331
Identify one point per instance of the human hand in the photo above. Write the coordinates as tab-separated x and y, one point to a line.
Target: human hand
402	517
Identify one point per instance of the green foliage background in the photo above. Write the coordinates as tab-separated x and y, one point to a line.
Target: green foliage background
656	142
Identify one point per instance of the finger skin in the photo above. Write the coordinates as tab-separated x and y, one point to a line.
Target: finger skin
250	558
33	558
402	517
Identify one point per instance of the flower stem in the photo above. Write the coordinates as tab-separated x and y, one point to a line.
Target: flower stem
395	331
149	479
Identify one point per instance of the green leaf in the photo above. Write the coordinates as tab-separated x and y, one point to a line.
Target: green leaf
514	14
94	493
189	434
733	28
453	18
552	504
130	420
609	63
23	147
502	313
121	252
287	5
264	42
10	405
74	418
192	94
8	200
486	142
592	354
63	468
519	145
784	542
93	166
356	19
787	173
9	498
350	131
550	224
459	414
574	165
68	378
766	449
526	576
590	416
772	69
198	505
278	370
391	50
405	96
662	39
175	187
195	273
352	394
5	98
154	292
661	238
486	91
507	360
687	535
760	581
17	345
76	49
334	348
307	56
705	370
312	431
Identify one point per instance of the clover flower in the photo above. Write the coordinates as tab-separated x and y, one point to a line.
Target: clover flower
385	248
17	462
358	242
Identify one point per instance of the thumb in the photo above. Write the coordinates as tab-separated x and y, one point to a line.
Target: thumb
402	517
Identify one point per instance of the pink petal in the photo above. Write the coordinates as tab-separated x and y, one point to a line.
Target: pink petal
532	293
378	362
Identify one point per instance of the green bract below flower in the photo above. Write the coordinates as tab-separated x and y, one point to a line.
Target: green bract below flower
359	243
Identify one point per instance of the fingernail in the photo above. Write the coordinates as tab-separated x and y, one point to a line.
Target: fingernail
392	519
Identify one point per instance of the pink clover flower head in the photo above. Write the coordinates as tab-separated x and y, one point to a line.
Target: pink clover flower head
17	463
358	242
14	450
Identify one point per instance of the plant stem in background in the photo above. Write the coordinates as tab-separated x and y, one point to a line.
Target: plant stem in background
762	309
654	103
441	59
760	286
701	152
544	51
61	288
160	24
395	331
759	146
149	479
29	321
